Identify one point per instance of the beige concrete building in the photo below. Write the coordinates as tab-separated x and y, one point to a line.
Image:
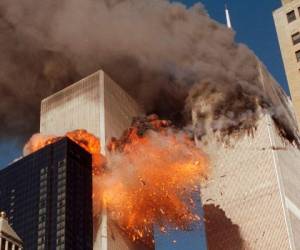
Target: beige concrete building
287	22
9	240
252	198
97	104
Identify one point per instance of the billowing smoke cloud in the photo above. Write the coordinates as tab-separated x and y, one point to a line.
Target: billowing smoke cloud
160	52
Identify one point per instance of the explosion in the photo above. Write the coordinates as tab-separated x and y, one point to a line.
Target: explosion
83	138
147	178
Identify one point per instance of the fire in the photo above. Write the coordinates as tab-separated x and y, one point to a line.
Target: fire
85	139
147	178
153	170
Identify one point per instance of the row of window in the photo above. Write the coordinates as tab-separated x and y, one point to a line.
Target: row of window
42	209
61	201
291	16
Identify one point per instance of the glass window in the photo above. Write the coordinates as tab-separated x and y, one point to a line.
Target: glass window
298	55
296	38
291	16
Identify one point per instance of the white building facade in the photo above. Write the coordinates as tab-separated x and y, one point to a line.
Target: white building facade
97	104
252	197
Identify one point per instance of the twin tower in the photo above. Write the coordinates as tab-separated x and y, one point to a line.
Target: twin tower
251	200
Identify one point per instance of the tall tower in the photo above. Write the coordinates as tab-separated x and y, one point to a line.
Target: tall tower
8	237
251	199
99	105
95	103
287	22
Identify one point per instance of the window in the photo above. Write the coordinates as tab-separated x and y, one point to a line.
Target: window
291	16
298	55
296	38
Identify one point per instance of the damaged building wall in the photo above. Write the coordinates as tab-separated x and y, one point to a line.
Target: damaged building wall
251	200
245	193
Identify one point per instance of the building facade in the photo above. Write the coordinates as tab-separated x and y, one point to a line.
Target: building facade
99	105
95	103
251	200
287	22
48	197
9	240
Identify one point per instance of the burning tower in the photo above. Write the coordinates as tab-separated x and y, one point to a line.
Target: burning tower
99	105
251	200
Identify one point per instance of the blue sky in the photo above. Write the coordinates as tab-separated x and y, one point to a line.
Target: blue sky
254	26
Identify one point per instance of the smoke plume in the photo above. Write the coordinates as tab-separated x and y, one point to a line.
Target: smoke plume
160	52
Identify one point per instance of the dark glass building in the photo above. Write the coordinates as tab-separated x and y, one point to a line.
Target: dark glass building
48	197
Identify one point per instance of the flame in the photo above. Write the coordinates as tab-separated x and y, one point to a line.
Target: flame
153	171
147	178
83	138
149	181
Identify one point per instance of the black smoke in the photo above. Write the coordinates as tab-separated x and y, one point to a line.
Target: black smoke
167	56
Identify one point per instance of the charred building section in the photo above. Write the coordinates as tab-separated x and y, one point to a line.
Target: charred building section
255	179
48	197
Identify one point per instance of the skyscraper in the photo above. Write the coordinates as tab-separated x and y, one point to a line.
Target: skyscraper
48	197
251	200
95	103
8	238
287	22
99	105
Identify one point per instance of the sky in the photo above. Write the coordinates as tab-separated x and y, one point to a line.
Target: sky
254	26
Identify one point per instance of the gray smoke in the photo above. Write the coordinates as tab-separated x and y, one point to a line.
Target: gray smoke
160	52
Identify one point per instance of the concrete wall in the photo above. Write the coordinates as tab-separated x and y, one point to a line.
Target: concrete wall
251	200
288	49
287	159
97	104
75	107
245	196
